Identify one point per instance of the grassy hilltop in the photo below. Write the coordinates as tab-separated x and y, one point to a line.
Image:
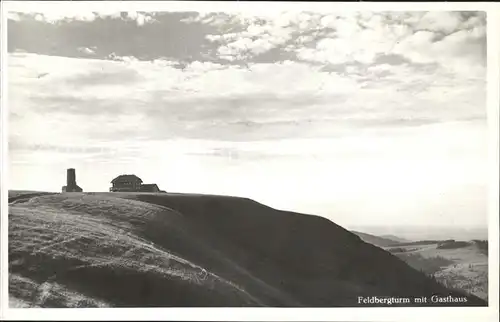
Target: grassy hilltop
146	249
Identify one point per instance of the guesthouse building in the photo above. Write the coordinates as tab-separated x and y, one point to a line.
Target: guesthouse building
126	182
132	183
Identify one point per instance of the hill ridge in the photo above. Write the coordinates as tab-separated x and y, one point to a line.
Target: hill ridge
277	258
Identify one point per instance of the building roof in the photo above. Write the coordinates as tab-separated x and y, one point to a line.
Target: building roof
126	177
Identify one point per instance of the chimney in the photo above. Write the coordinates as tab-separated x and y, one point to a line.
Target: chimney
70	178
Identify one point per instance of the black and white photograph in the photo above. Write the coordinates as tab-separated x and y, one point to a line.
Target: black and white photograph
218	155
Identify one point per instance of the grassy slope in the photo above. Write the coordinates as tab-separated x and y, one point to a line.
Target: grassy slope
115	249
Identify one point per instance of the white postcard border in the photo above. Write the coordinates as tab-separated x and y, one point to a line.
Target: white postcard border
267	314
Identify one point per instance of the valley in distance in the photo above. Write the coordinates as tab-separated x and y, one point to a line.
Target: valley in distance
163	249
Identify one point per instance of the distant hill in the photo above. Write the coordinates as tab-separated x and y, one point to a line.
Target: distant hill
177	250
396	238
376	240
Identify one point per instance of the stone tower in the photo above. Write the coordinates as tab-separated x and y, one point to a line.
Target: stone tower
70	178
71	185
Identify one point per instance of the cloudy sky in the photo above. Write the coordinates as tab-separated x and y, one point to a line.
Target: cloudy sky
361	117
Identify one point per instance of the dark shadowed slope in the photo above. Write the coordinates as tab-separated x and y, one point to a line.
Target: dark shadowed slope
376	240
114	249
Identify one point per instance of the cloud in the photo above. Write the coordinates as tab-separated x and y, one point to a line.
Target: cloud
140	18
14	16
258	35
224	102
445	22
86	50
452	40
362	70
129	34
361	37
463	47
65	16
